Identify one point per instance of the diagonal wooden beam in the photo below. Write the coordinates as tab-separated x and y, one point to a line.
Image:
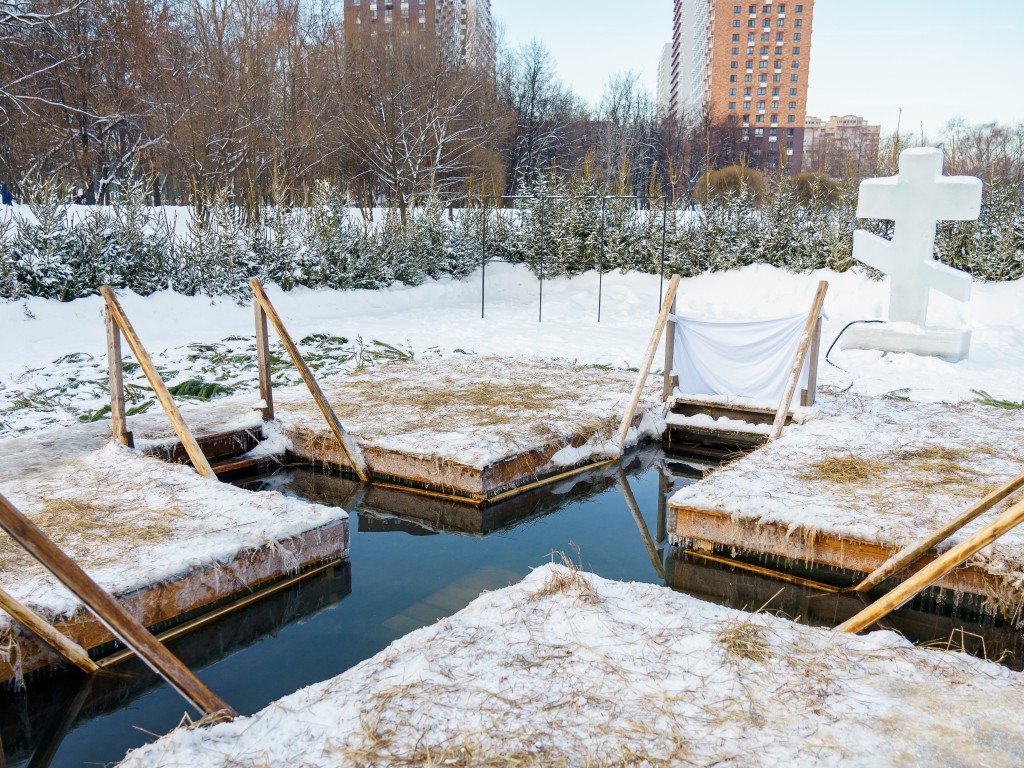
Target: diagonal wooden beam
110	613
355	456
42	629
798	360
195	453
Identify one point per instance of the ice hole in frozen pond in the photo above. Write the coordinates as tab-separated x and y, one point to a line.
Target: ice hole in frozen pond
416	559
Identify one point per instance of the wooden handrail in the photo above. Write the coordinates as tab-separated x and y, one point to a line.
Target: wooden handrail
348	445
798	361
110	613
195	453
935	570
42	629
645	366
913	552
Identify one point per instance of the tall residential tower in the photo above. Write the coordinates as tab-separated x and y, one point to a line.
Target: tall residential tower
747	64
463	28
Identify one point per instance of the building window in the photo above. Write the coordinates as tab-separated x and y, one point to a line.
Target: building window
759	131
750	65
746	119
746	92
765	37
795	65
773	131
735	51
790	132
762	78
775	93
746	105
780	23
780	36
423	17
748	78
792	91
387	15
760	105
796	50
766	9
796	37
775	105
732	105
798	23
799	9
778	50
735	38
760	91
794	78
356	2
736	23
735	9
750	23
373	12
752	9
792	105
764	50
762	64
775	119
732	78
778	65
776	78
766	23
782	8
750	50
732	91
759	119
733	65
791	119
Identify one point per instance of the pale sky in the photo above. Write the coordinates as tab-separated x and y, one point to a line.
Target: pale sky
937	59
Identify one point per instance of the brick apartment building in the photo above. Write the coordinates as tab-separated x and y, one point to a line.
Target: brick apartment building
463	28
747	64
842	146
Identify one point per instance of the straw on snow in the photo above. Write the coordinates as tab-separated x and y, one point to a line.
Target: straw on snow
568	669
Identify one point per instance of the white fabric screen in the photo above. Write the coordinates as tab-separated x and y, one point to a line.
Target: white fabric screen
746	359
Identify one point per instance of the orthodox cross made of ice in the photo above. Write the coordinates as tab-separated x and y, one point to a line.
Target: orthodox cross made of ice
915	200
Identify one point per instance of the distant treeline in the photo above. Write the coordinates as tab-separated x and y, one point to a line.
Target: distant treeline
560	226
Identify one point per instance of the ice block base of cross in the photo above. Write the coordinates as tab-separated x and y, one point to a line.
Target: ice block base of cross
950	344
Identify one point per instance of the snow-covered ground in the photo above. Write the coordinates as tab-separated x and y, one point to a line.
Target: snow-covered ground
568	669
52	367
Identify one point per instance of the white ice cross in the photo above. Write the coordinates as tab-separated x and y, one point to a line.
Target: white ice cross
915	200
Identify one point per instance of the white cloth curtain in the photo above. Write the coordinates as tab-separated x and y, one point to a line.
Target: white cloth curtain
746	359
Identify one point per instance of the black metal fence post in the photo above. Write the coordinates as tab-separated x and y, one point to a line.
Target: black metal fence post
600	262
483	256
664	229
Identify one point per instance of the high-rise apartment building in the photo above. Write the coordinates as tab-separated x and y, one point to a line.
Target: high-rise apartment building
841	146
463	28
747	64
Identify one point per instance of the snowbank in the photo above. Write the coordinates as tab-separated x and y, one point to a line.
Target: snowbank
566	668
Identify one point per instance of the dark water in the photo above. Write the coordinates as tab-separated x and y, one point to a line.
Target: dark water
413	561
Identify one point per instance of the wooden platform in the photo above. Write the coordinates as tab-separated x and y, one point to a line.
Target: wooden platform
719	429
852	487
160	606
468	427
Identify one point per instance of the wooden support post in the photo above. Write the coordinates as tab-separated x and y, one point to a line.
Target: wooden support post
809	395
798	361
645	366
912	552
195	453
355	456
40	627
670	337
641	524
119	421
935	570
263	360
110	613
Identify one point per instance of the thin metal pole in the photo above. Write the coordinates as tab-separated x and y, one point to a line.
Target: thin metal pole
600	262
664	228
540	304
483	259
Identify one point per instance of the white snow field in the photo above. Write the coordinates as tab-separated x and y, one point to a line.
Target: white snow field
52	365
569	669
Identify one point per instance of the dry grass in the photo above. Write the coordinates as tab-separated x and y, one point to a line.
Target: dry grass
82	525
745	640
522	403
845	469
